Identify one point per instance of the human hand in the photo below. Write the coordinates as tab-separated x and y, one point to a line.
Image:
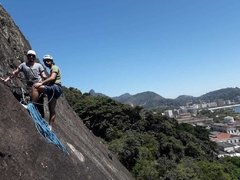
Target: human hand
5	80
37	85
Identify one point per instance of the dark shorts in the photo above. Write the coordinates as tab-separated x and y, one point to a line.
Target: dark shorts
53	91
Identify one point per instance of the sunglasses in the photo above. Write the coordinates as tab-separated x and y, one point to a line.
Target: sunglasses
31	55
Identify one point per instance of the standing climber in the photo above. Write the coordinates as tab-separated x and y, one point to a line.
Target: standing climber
33	72
50	86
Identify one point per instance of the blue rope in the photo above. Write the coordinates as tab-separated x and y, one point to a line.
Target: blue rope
43	128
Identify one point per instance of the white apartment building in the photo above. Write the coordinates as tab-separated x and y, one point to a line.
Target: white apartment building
169	113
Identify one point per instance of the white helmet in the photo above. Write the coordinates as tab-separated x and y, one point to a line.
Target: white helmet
49	57
32	52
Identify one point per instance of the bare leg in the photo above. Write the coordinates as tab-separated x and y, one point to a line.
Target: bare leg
34	94
52	105
39	101
40	105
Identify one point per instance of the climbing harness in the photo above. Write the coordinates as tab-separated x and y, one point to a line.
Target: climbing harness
43	128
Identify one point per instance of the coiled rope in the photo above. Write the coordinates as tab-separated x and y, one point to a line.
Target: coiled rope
43	129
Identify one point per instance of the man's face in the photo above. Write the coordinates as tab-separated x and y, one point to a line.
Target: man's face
48	62
31	57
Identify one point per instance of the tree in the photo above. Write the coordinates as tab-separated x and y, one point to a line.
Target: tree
146	169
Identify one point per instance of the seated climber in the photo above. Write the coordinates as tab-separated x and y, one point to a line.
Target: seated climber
50	86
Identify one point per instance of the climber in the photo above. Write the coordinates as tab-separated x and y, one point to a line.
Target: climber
50	86
33	72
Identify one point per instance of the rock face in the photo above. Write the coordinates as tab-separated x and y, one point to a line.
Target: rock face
24	153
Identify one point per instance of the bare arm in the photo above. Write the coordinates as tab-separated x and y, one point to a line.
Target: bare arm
43	75
14	73
51	78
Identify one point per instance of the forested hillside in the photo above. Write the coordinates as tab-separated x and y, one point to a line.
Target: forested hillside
226	94
149	145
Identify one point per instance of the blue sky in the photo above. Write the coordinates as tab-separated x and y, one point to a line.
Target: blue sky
170	47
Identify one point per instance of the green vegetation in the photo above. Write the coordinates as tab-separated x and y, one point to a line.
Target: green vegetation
232	94
218	115
149	145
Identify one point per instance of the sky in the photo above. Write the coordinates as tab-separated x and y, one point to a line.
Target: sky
170	47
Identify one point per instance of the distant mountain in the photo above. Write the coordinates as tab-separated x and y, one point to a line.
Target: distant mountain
183	99
123	97
152	100
146	99
225	94
93	93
